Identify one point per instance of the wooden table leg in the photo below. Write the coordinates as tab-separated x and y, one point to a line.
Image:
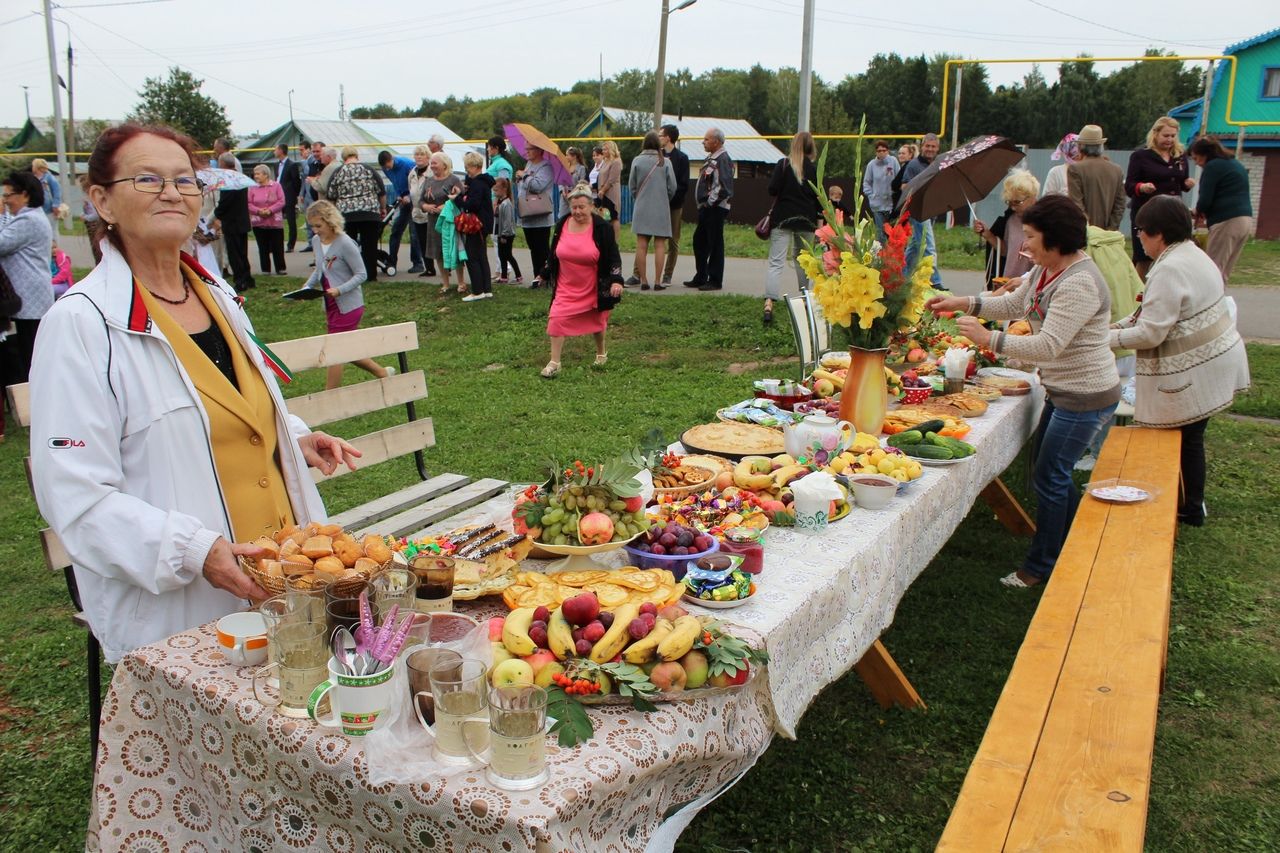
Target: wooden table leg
885	680
1007	509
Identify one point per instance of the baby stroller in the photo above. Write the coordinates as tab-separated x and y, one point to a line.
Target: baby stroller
384	257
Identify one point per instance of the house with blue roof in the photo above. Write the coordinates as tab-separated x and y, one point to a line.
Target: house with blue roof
1233	117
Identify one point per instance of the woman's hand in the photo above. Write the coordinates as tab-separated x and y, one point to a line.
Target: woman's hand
1189	183
979	226
615	290
1147	188
938	304
520	175
972	328
326	453
332	293
222	570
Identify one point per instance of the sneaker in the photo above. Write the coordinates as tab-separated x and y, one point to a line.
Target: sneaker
501	280
306	248
417	269
488	294
1086	462
666	280
709	286
693	282
391	371
632	281
473	297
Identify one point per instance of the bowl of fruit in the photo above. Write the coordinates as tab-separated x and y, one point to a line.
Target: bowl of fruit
671	546
914	389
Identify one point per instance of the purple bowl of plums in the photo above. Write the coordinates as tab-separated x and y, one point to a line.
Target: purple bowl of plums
671	546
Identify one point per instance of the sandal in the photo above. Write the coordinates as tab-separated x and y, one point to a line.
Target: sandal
1012	580
661	286
600	360
551	371
768	315
644	285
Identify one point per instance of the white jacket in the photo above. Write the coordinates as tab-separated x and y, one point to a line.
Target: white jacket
123	466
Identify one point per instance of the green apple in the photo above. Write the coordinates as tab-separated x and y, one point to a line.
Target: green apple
500	652
544	676
512	673
695	669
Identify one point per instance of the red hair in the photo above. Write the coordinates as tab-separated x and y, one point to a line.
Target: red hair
102	162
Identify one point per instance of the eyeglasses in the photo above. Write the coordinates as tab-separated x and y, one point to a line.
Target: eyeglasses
154	184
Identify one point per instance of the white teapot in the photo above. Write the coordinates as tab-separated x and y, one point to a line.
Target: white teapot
818	438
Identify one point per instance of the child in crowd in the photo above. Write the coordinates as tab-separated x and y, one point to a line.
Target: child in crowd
836	193
60	271
506	230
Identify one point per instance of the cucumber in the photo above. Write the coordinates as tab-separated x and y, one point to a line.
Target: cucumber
959	449
935	425
902	439
936	440
928	451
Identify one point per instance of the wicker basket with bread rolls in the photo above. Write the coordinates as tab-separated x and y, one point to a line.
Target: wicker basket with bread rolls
316	556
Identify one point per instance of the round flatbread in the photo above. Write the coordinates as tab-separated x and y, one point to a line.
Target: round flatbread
733	439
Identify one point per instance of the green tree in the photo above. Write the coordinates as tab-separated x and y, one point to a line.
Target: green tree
379	110
177	102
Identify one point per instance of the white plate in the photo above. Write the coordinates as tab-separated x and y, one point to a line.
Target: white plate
1121	491
720	605
941	463
1007	373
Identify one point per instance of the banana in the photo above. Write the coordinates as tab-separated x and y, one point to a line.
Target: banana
515	632
677	644
745	476
786	474
642	651
616	637
782	460
830	377
560	636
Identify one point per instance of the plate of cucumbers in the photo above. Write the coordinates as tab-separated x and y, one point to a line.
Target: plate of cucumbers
929	447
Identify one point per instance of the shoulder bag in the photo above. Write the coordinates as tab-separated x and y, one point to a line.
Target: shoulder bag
531	204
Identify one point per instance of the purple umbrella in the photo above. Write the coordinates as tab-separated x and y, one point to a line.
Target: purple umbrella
522	135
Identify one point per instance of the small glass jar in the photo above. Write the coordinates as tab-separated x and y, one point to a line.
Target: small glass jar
746	542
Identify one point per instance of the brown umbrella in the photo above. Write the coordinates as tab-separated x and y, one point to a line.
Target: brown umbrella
960	176
522	135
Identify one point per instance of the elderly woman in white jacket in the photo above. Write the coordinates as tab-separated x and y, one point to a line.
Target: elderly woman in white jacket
159	437
1191	359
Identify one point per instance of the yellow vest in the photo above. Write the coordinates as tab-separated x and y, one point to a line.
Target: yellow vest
242	424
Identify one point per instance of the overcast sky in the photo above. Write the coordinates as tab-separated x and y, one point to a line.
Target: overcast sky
251	54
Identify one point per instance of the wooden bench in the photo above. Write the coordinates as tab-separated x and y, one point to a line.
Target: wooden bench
402	512
1065	763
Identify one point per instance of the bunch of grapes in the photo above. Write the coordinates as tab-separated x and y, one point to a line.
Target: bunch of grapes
566	508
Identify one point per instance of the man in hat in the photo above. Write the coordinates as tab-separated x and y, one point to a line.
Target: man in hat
1095	183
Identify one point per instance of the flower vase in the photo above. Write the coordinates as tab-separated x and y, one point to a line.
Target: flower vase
865	398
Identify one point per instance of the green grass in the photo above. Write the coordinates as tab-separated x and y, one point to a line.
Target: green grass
1263	399
858	778
1259	264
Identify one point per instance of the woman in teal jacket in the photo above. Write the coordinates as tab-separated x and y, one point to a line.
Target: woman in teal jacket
1224	203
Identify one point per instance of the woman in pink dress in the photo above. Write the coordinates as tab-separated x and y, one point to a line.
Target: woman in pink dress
585	274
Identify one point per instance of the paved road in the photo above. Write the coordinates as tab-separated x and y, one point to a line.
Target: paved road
1259	307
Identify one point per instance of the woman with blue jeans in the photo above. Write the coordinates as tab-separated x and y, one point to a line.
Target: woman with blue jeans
1068	305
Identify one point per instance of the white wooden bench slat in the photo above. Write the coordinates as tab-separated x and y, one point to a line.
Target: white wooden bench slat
388	505
56	557
413	520
348	401
326	350
20	403
386	444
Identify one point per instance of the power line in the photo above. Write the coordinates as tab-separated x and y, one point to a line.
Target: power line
1049	8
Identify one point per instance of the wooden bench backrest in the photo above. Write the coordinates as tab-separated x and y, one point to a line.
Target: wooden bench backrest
1066	758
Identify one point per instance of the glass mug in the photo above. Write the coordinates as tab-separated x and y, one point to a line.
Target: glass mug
435	582
300	663
517	733
458	693
397	586
418	666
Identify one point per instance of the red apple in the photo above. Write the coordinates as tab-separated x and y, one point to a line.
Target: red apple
595	528
916	355
582	608
538	660
495	628
634	504
971	369
669	677
672	612
726	680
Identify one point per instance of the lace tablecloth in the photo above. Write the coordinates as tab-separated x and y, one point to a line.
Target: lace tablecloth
190	762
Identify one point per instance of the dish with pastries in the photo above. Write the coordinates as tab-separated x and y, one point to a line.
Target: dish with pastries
315	556
733	440
961	405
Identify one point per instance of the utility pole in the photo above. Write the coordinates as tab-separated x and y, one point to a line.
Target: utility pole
71	104
602	94
290	106
59	134
806	67
955	109
342	103
660	78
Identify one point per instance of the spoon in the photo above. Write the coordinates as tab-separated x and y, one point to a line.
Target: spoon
342	640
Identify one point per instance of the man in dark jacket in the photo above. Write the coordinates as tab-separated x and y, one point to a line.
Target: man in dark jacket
231	217
714	191
1095	183
289	176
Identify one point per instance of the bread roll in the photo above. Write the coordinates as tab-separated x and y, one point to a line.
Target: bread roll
317	547
329	529
347	552
299	559
364	564
377	551
288	548
293	569
271	568
284	533
270	550
329	570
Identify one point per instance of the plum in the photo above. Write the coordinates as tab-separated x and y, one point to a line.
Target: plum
638	628
592	632
583	647
605	618
649	607
538	633
542	614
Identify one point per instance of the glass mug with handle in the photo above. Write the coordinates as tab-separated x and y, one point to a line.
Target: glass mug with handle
435	582
516	754
301	662
459	692
418	666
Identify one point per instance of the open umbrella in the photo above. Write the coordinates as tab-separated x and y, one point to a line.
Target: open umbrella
522	135
960	177
224	179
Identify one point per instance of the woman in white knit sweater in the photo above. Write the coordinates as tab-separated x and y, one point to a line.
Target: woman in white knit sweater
1067	304
1191	360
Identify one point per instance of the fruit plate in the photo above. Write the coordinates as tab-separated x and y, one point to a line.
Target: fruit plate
1122	491
577	558
748	636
